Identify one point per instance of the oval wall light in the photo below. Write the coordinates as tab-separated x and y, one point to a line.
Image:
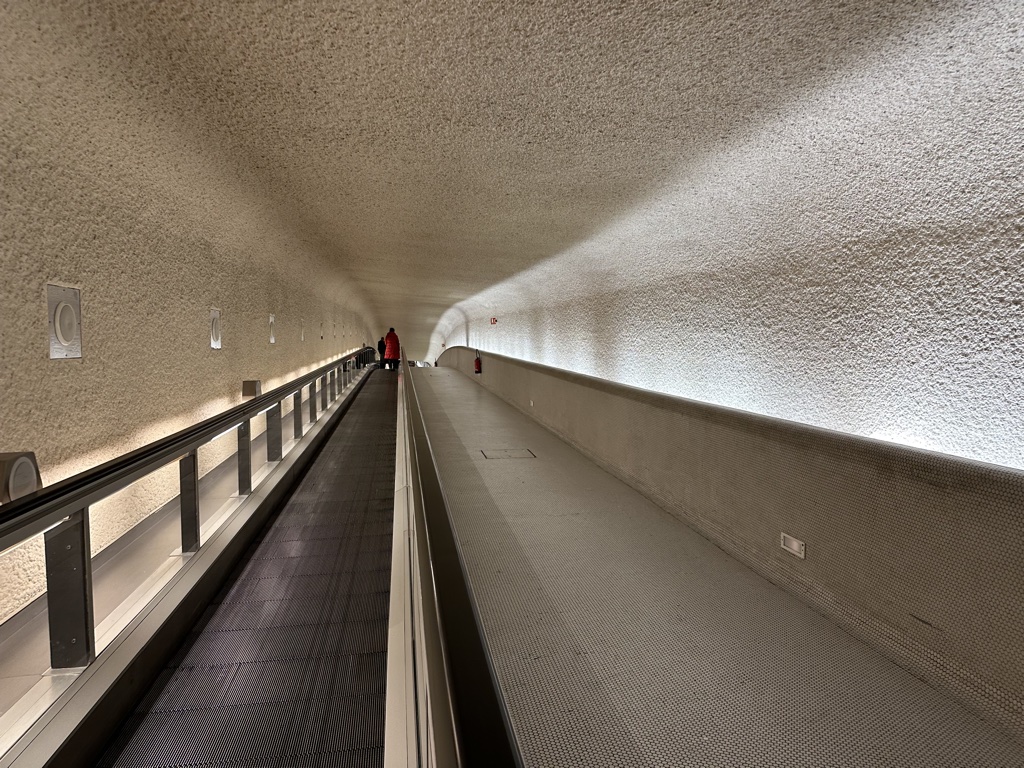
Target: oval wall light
64	307
215	335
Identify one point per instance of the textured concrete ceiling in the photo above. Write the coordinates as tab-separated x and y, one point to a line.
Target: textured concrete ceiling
433	149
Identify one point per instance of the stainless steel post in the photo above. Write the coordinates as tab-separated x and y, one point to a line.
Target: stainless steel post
188	473
274	433
244	458
69	592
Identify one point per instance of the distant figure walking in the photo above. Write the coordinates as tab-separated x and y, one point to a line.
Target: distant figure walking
381	348
392	349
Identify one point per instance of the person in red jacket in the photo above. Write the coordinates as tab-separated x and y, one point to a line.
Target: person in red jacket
392	349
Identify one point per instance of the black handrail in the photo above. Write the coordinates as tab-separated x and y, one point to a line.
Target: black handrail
80	490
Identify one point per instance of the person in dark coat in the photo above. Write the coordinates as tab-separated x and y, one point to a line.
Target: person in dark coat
392	349
381	348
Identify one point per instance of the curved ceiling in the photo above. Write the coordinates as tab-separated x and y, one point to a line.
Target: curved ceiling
433	149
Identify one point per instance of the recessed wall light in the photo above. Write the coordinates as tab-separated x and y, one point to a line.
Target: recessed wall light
64	306
214	329
19	475
272	339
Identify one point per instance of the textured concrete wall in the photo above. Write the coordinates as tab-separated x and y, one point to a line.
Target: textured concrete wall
918	553
853	261
101	192
804	209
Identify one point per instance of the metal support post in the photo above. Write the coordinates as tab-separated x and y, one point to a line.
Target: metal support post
312	401
188	473
297	415
274	452
323	392
69	592
334	385
244	459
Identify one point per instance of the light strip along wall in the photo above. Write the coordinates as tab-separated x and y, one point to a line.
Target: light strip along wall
104	192
854	263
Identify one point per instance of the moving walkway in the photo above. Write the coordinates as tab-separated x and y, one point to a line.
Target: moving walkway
442	581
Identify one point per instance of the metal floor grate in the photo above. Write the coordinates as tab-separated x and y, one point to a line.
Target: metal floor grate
620	637
288	666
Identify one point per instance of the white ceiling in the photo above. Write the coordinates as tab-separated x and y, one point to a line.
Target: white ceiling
434	149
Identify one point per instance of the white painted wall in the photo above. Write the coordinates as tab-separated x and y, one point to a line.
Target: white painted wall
100	193
855	262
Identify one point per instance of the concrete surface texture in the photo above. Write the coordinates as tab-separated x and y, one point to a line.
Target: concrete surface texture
102	192
850	257
710	200
807	209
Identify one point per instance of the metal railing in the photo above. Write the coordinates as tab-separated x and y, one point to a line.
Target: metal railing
60	511
460	715
419	730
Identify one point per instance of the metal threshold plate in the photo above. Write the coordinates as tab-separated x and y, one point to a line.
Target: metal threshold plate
509	453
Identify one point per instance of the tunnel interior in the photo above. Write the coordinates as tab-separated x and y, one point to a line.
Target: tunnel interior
785	221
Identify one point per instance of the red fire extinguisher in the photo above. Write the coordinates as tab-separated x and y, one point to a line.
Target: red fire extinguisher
476	363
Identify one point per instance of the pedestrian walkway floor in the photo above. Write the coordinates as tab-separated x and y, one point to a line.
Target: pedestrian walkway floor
621	637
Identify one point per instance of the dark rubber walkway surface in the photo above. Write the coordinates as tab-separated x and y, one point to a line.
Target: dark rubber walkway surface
288	666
